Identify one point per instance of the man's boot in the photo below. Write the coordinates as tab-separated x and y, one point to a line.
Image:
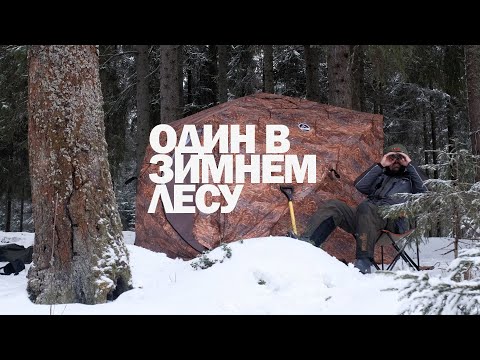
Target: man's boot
291	234
364	265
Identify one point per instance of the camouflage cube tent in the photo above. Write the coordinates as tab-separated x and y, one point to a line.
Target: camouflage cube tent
345	143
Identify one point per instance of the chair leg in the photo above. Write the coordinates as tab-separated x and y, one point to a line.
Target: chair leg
412	263
395	259
401	252
381	251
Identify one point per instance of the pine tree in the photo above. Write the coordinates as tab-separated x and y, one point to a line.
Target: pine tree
289	71
451	201
445	295
243	74
455	204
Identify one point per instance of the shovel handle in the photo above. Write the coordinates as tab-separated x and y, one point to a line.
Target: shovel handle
288	191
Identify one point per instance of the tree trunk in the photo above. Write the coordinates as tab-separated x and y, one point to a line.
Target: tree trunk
358	66
454	86
472	65
115	112
181	102
79	254
212	74
426	142
425	139
189	86
451	138
268	82
8	213
143	105
433	126
339	76
312	58
222	74
456	229
457	208
170	82
22	202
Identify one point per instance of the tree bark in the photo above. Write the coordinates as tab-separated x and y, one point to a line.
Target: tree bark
22	202
425	139
143	105
268	82
179	80
212	74
339	76
358	66
222	74
115	110
8	213
170	83
472	65
454	86
312	58
433	126
189	86
79	254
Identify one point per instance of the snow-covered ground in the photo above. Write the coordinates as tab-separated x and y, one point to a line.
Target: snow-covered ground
271	275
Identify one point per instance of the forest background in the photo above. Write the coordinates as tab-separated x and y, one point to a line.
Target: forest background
428	95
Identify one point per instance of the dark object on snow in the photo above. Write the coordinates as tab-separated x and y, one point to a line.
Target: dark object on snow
344	141
12	252
13	267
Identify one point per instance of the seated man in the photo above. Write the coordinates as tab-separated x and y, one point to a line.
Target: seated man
393	174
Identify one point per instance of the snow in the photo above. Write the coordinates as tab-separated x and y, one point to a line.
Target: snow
270	275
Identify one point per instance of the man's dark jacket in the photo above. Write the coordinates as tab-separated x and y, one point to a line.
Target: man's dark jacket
379	184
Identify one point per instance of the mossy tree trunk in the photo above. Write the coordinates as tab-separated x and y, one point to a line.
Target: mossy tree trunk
79	253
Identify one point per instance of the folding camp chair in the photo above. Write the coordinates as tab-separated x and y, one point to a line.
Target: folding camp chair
399	243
